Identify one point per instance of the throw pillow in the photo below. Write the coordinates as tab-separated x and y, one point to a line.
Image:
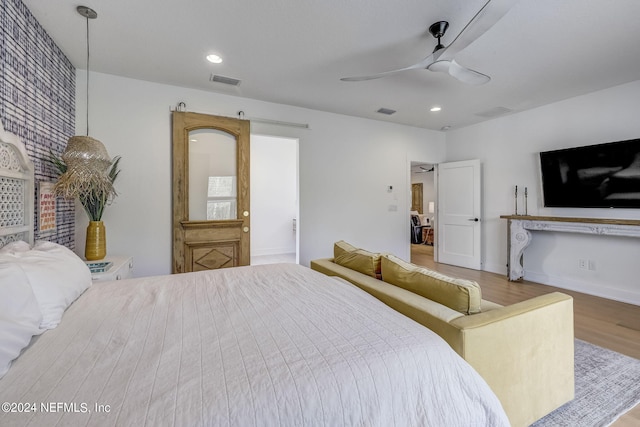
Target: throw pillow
458	294
360	260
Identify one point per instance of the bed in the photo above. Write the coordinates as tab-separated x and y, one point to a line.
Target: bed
277	345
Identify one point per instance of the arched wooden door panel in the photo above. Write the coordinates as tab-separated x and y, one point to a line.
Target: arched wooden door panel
211	222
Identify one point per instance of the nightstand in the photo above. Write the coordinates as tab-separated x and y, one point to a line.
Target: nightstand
122	268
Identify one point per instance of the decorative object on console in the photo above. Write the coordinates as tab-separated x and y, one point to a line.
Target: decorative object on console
525	199
88	173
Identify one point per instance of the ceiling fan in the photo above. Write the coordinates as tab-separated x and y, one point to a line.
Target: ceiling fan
442	58
424	169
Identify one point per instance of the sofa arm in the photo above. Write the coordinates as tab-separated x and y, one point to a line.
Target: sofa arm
525	353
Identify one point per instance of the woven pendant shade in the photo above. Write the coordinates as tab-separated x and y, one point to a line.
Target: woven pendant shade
87	163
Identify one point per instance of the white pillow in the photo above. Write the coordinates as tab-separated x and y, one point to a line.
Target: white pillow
20	315
15	247
57	276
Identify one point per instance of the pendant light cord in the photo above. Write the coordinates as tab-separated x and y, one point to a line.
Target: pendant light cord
87	76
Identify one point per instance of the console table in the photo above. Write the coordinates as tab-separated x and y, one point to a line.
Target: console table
519	237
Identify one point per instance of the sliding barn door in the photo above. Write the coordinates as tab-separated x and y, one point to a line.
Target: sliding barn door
211	222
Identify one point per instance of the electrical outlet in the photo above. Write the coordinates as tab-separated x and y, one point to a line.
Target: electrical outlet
582	263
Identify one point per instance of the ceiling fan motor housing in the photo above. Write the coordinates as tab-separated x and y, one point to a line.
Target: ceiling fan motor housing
437	30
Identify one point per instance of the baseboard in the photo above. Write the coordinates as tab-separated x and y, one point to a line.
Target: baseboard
495	268
272	251
598	290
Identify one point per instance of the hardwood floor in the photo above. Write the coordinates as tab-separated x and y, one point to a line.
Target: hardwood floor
607	323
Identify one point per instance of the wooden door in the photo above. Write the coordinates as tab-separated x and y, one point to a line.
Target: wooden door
211	222
459	231
416	197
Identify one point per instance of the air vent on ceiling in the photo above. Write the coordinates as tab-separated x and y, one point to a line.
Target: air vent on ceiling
224	80
494	112
387	111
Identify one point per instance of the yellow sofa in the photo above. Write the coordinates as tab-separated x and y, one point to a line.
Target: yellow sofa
523	351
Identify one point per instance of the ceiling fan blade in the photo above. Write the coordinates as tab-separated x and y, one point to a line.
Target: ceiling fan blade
464	74
485	18
467	75
422	64
441	66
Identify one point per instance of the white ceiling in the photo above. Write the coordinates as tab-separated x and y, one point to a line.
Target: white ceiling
294	52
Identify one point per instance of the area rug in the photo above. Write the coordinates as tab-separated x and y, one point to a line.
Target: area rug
607	385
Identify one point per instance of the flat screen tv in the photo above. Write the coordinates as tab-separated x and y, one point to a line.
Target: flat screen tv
594	176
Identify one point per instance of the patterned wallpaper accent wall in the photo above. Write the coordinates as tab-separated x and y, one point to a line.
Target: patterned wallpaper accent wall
37	101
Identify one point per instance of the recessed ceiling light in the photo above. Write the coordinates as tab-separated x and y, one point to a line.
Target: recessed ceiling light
435	109
216	59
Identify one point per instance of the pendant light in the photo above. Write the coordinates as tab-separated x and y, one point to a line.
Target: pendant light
86	158
85	146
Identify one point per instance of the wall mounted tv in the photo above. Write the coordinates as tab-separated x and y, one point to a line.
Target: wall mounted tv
594	176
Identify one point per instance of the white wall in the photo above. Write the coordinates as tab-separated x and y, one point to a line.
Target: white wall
508	148
274	194
345	163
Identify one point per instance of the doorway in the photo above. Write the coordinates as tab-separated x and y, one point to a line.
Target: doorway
459	214
454	212
423	199
274	199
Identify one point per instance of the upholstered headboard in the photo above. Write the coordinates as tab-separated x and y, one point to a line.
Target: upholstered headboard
16	190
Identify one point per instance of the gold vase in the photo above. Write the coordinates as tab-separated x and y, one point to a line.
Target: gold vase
96	245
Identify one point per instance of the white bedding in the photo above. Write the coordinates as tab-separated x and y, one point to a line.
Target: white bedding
274	345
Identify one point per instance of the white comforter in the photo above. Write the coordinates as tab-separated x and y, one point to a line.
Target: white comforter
268	345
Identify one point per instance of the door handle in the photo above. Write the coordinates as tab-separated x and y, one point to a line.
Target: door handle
474	219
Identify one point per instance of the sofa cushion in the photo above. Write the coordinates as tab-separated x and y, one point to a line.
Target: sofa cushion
341	247
458	294
360	260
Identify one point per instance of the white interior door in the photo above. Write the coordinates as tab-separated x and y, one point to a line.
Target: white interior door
459	207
